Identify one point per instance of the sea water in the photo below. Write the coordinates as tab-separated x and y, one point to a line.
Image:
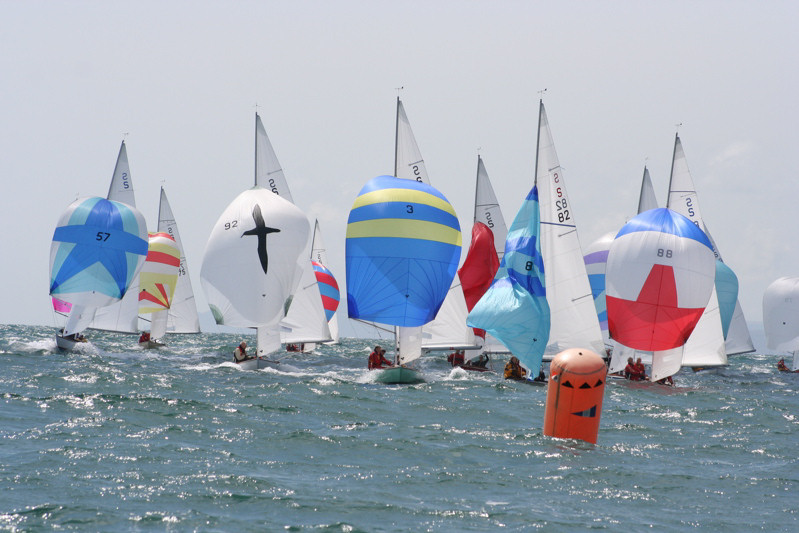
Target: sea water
115	438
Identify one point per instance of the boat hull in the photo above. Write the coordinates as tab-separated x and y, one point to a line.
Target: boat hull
473	368
67	344
399	375
149	345
257	364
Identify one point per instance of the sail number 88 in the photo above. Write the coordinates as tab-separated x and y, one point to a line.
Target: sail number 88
664	253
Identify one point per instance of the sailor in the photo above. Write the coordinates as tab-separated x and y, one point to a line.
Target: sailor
145	336
639	367
456	358
514	370
240	353
481	361
377	359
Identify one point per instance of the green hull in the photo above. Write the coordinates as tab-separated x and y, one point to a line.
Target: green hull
399	374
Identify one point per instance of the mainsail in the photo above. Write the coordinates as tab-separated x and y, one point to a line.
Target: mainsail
574	322
708	347
305	319
328	287
122	316
182	316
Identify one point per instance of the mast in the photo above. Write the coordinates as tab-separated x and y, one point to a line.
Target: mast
255	171
476	188
538	140
396	135
671	173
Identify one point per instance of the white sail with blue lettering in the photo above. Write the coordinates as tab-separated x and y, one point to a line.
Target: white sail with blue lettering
182	316
573	315
514	309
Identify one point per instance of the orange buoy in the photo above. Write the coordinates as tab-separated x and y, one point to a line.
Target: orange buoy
574	395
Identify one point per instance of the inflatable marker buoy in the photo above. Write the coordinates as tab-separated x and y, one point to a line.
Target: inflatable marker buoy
574	395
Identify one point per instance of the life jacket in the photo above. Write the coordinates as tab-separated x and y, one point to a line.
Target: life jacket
374	360
240	353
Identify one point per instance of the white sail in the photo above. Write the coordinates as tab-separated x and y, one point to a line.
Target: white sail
682	198
487	210
705	347
305	321
408	164
250	261
408	159
781	317
574	319
268	172
647	199
449	330
319	254
666	363
267	340
182	316
122	316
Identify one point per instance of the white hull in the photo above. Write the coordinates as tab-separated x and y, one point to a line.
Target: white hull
66	344
260	363
149	345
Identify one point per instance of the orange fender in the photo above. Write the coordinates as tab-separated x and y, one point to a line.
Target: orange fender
574	395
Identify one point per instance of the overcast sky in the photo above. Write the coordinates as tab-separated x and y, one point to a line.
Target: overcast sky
182	79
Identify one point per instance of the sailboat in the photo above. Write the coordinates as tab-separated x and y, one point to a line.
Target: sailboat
402	250
707	346
98	248
409	340
252	261
328	286
659	278
157	282
122	316
482	261
574	321
182	316
514	309
305	320
781	319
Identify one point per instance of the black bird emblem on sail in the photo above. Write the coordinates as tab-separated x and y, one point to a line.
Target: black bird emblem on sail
261	231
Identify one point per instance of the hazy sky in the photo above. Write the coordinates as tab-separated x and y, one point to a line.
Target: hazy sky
182	80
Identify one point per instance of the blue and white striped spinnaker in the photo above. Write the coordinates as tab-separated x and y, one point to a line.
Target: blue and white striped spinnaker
515	309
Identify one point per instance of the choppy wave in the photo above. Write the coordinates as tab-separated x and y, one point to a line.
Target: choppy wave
116	438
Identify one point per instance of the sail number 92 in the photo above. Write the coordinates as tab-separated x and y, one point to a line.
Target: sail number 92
230	225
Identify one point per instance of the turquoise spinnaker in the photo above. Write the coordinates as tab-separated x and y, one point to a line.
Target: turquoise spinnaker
515	308
727	292
402	251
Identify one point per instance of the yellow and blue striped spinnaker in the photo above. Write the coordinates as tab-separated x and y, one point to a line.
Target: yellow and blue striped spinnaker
403	248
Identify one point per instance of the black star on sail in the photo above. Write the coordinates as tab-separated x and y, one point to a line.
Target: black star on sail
261	230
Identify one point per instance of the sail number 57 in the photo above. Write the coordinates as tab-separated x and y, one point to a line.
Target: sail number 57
102	236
